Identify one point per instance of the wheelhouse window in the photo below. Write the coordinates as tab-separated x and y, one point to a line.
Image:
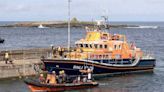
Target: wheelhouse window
86	45
96	45
106	57
105	46
100	56
101	46
81	45
91	46
119	46
115	47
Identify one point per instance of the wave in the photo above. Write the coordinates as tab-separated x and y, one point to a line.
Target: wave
143	27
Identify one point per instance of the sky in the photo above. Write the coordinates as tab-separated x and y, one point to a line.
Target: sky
50	10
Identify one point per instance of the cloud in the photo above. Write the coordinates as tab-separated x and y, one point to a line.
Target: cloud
83	9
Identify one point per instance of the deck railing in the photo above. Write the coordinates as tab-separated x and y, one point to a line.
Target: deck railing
148	55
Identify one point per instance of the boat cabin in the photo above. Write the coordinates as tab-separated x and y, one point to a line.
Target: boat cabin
102	45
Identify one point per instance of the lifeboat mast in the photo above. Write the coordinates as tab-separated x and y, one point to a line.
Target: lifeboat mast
69	29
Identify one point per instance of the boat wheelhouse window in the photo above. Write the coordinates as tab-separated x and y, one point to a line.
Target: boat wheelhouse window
100	56
96	45
90	45
86	45
106	56
115	47
119	46
101	46
81	45
105	46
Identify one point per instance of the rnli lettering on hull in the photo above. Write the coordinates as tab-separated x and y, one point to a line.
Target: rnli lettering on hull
82	67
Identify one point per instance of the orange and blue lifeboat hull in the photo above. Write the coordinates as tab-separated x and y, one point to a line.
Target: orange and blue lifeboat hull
72	67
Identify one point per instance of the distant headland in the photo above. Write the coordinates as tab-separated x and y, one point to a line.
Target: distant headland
64	24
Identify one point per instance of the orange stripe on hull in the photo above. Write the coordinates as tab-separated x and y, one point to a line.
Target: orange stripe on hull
56	89
35	89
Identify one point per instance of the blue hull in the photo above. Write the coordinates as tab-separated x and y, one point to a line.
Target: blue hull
72	67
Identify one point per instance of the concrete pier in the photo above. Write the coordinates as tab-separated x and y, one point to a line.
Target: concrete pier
23	62
19	68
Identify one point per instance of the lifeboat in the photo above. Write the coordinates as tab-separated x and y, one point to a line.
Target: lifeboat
104	52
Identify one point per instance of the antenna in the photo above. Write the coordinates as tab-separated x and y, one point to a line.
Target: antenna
69	1
105	17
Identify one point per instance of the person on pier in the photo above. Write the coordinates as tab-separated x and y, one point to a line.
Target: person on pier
6	57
